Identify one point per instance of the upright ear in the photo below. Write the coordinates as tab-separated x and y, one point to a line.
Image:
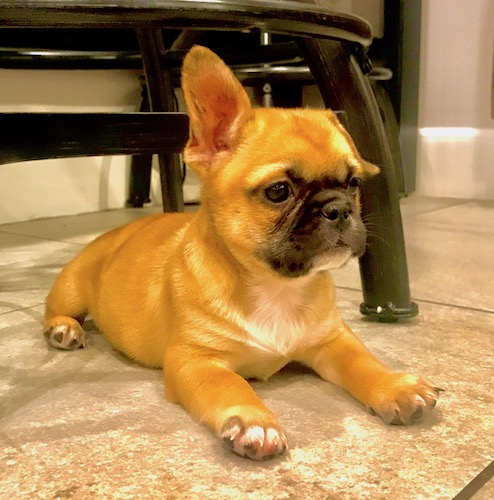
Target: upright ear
217	104
369	169
366	169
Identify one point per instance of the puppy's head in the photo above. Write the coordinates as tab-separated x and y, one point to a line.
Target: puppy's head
280	187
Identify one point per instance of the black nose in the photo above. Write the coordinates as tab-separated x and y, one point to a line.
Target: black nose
337	212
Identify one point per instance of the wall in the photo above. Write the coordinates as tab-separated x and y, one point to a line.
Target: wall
456	143
371	10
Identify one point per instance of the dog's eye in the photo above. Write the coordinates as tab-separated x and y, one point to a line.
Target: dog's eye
279	192
354	182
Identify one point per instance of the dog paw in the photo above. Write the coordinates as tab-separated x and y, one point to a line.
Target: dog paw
66	337
403	399
253	441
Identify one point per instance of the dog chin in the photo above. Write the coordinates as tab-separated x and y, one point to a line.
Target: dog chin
334	259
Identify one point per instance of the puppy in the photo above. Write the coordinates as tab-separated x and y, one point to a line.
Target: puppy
240	288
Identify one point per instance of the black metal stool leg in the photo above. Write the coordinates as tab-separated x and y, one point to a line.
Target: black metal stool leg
140	168
383	267
161	98
392	130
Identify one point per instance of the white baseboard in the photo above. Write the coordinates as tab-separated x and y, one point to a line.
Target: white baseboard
456	162
50	188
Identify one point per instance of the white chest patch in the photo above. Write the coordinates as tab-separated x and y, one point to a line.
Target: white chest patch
282	319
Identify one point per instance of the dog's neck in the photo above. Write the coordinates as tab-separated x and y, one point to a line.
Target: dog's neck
288	314
278	314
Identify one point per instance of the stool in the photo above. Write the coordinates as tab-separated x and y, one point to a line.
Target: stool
333	46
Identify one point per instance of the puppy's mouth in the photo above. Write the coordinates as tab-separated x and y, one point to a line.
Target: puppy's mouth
297	260
321	248
356	245
333	259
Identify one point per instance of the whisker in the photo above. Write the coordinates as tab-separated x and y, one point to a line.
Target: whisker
371	222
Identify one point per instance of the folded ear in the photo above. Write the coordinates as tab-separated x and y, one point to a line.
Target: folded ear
217	104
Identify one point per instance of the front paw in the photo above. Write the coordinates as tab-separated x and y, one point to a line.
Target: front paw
401	399
67	337
258	442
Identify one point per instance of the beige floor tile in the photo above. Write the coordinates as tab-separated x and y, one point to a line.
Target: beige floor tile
414	204
451	266
94	425
91	424
28	267
80	229
449	253
468	217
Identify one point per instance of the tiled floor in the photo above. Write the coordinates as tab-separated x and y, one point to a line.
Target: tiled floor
90	424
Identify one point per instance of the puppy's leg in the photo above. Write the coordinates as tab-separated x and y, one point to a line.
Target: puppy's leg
66	310
399	398
224	401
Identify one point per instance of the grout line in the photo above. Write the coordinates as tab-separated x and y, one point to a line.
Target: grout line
443	226
22	308
433	211
476	483
44	239
457	203
428	301
455	306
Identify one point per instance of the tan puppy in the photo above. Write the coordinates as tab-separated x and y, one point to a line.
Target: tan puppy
240	288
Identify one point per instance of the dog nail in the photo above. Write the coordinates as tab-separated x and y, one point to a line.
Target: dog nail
438	390
371	411
418	413
397	419
229	442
